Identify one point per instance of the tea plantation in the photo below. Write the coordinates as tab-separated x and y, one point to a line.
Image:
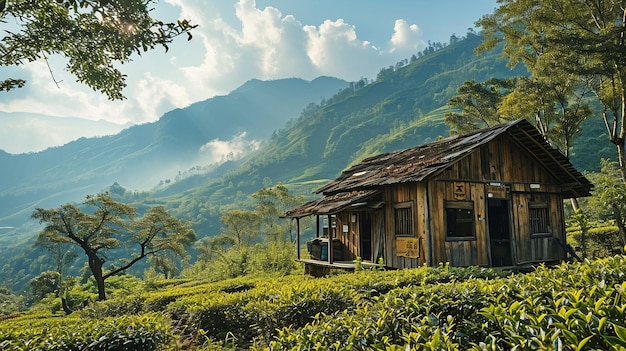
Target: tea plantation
576	306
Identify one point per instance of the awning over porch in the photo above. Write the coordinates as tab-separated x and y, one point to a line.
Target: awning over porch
330	204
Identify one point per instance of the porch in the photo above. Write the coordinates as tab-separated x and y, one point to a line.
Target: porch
319	268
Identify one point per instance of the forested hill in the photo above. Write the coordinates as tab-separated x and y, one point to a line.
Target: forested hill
141	156
402	107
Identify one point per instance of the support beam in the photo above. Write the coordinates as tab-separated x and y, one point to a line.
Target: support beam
298	237
329	248
317	228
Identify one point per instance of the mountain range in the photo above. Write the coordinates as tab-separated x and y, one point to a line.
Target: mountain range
284	136
22	132
204	133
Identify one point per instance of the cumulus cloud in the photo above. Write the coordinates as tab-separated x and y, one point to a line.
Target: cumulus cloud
155	95
406	39
234	42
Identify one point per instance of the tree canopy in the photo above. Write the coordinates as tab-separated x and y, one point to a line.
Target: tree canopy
103	224
94	35
568	46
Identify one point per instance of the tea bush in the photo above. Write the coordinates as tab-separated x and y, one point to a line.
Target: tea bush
578	306
147	332
569	307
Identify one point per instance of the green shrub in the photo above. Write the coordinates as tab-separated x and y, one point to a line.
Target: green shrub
148	332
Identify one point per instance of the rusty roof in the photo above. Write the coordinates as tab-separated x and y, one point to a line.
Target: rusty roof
422	162
332	203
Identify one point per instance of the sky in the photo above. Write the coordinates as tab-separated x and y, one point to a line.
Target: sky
240	40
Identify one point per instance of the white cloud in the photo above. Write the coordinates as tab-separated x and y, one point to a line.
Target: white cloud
234	42
155	95
406	39
335	50
220	151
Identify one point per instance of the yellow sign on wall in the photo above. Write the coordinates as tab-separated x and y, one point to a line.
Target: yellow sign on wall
407	247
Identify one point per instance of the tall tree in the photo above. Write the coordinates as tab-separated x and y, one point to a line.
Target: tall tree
271	203
242	227
477	105
611	196
94	35
106	227
581	38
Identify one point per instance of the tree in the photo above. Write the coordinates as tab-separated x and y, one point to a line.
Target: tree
555	104
271	203
61	251
108	226
94	36
610	196
477	104
580	39
45	283
242	226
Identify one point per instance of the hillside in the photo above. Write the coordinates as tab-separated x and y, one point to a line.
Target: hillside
403	107
141	156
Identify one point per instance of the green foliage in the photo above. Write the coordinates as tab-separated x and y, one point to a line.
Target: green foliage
105	225
602	239
10	303
146	332
574	49
477	104
565	308
95	36
569	307
44	284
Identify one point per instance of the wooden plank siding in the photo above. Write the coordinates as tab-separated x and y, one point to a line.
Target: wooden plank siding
499	170
503	174
402	193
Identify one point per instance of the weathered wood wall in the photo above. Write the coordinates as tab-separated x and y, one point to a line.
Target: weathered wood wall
500	161
400	193
500	170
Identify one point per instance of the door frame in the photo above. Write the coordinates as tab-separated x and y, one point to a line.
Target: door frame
507	206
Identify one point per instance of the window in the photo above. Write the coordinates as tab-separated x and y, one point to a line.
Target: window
459	220
539	219
403	217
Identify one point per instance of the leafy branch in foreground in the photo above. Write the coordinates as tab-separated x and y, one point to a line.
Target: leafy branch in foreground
93	35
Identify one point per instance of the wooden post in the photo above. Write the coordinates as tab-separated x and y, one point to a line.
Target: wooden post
298	237
317	229
329	249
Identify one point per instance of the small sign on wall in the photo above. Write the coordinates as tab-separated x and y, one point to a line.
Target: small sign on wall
459	191
407	247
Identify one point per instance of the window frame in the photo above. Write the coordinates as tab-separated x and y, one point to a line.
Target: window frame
459	205
404	206
535	222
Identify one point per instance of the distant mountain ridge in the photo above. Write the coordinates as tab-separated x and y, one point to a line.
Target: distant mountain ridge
22	132
139	156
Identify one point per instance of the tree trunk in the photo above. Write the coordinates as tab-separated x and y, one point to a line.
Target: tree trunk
95	265
575	205
622	128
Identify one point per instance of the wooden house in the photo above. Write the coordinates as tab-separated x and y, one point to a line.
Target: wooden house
490	198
